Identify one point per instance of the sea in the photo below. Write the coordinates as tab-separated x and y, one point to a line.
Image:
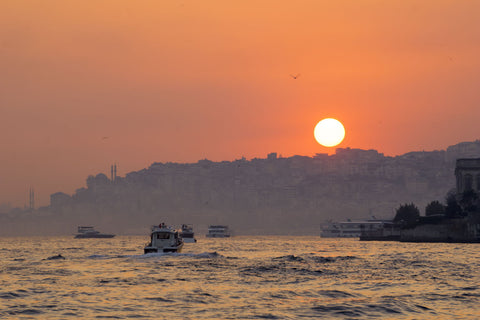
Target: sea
243	277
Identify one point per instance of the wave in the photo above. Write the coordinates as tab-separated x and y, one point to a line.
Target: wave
130	281
338	310
99	256
176	254
156	255
332	259
26	311
383	309
266	316
290	257
312	258
279	269
296	265
335	294
13	295
158	299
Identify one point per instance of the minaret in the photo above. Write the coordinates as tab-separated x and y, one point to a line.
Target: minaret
31	200
113	172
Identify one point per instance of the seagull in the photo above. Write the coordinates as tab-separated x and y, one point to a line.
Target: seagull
295	76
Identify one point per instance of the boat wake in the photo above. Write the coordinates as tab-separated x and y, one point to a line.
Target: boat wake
176	254
204	255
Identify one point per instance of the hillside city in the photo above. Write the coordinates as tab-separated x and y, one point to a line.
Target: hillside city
272	195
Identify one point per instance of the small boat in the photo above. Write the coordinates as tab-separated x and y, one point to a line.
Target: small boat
218	231
90	232
187	233
164	239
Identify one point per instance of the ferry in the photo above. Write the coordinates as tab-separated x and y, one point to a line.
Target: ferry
218	231
187	233
90	232
350	228
164	239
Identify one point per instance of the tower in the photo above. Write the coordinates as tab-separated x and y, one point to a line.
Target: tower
31	199
113	172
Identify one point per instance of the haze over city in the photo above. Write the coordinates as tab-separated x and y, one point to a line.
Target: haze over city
85	84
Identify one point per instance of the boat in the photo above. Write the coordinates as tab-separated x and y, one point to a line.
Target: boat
164	239
351	228
187	233
90	232
218	231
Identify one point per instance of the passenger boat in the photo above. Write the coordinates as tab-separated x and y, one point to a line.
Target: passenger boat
90	232
187	233
350	229
164	239
218	231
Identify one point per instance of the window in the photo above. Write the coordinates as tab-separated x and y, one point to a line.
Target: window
163	235
468	182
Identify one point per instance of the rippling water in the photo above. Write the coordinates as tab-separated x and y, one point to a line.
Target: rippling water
267	277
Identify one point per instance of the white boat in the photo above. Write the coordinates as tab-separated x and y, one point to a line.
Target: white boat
218	231
187	233
350	228
164	239
90	232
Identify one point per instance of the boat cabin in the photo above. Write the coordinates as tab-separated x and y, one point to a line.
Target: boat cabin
164	239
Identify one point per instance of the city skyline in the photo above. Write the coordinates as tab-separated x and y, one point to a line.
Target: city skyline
347	160
87	84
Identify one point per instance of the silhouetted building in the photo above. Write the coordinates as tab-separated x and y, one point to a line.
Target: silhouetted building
460	228
272	156
463	150
59	199
467	172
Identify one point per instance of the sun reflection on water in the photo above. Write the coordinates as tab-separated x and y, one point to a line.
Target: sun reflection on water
241	277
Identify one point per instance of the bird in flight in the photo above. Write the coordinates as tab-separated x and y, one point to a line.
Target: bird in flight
295	76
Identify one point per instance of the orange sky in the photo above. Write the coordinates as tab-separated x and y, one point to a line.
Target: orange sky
186	80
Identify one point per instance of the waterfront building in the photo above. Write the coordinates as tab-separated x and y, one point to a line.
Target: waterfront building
467	172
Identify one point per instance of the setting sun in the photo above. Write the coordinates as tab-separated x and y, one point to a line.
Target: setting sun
329	132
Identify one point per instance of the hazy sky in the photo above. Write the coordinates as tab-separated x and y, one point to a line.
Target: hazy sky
87	83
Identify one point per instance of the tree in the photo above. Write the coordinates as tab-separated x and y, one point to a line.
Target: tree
452	209
434	208
468	201
407	215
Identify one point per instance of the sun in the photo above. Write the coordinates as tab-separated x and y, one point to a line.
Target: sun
329	132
